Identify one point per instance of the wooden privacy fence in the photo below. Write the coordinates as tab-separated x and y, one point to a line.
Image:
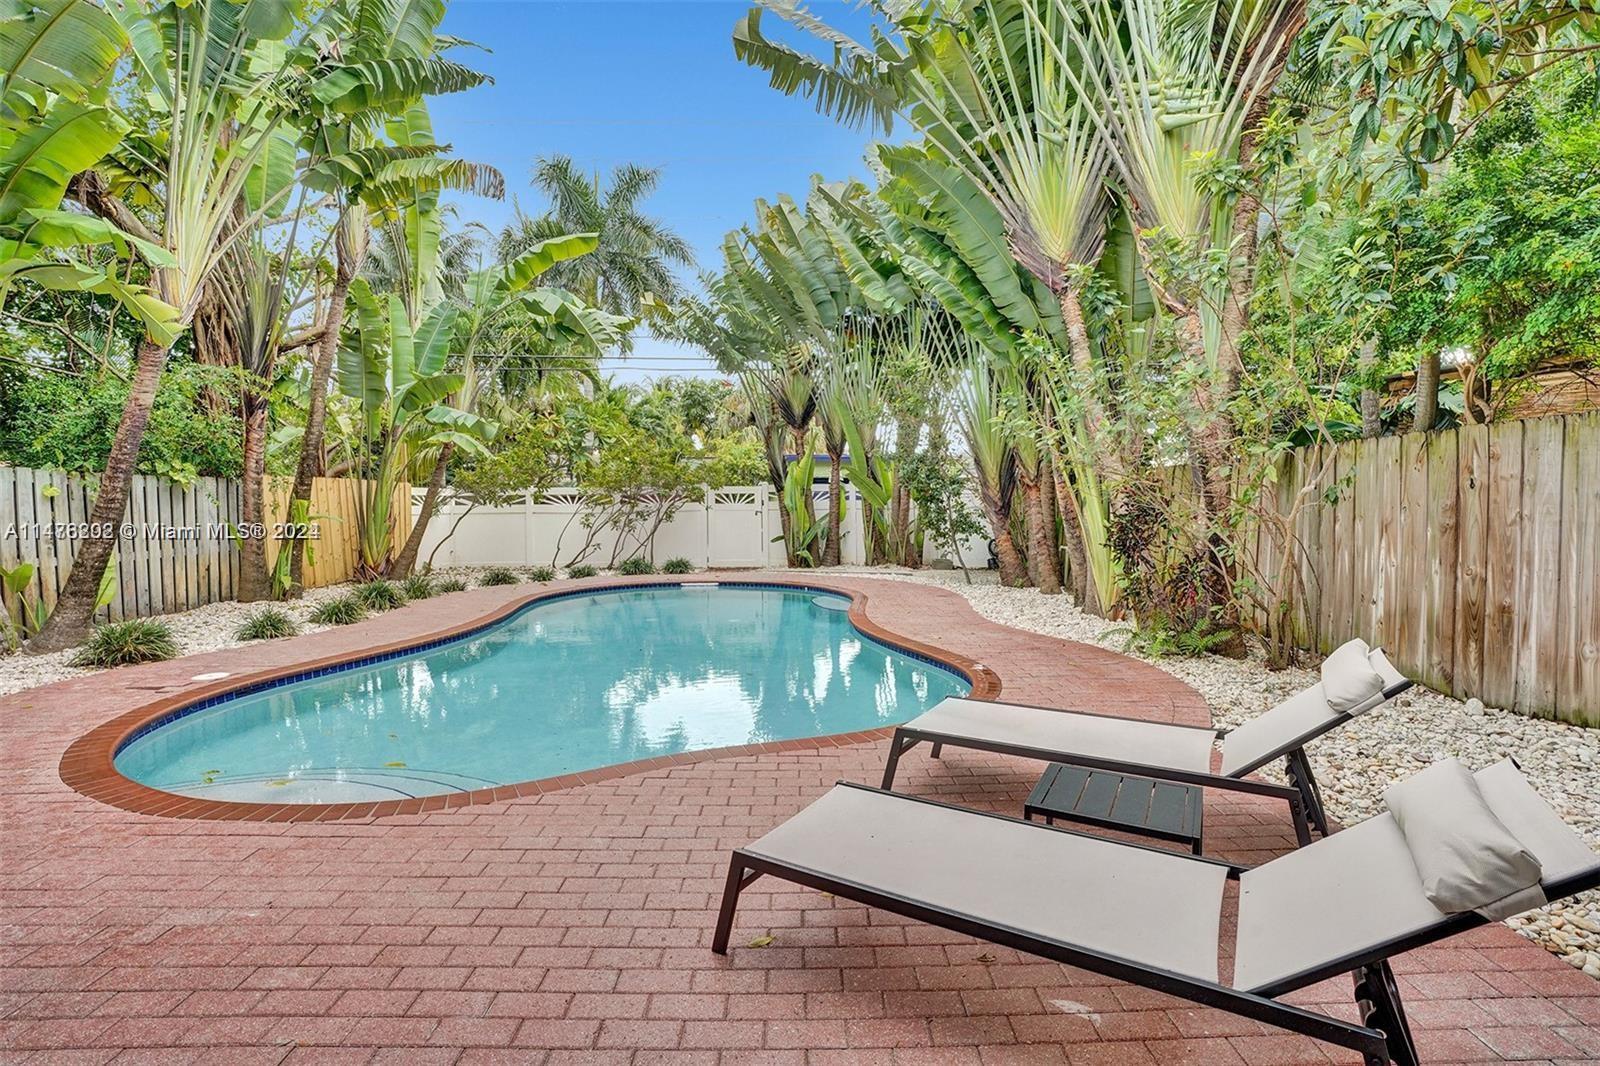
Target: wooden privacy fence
336	514
175	550
1472	556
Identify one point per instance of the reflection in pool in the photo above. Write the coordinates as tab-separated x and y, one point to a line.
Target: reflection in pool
570	684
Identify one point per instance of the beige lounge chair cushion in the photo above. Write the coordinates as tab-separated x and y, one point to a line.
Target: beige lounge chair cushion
1070	735
1154	907
1310	712
1358	889
1350	683
1466	857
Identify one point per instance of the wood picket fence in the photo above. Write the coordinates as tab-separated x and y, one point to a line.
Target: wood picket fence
1472	556
175	550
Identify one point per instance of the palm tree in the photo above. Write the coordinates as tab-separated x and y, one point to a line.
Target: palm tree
376	61
638	254
223	106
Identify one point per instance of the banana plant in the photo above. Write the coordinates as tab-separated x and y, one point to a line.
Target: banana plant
806	535
396	375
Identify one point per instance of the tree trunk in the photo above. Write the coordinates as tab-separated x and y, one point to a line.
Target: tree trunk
1047	507
1371	405
1076	570
407	559
349	252
255	577
1041	566
1106	458
74	608
1012	572
1212	449
1427	391
830	551
789	558
1083	588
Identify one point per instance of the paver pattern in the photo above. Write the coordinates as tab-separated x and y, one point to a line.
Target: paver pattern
572	926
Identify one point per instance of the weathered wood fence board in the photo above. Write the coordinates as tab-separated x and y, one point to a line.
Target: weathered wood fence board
174	551
335	511
1472	556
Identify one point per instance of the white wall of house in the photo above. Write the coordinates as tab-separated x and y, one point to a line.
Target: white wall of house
735	528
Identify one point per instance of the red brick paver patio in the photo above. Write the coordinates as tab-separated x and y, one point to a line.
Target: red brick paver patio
574	925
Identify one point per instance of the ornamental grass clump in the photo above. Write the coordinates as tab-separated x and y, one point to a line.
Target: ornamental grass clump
339	611
380	595
449	584
678	565
137	640
636	567
542	573
498	575
418	586
269	623
581	570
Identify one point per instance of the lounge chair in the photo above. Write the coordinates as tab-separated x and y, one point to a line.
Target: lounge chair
1153	918
1125	755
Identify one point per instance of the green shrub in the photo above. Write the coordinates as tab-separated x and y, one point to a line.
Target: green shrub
339	611
269	623
380	595
542	573
680	565
138	640
417	587
68	421
635	567
498	575
581	570
449	584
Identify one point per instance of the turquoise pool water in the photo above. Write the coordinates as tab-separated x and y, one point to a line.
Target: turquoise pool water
569	684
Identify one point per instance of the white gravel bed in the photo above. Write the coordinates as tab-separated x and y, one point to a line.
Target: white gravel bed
1356	762
208	628
1353	764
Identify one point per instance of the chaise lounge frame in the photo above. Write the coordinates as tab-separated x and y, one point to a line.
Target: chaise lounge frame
1383	1037
1302	794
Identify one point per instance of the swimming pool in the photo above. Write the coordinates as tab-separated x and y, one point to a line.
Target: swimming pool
573	683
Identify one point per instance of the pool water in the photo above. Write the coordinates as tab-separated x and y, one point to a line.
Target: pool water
569	684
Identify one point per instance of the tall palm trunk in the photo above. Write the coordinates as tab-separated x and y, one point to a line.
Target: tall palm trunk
1077	570
407	559
1013	573
1041	560
1427	391
830	552
348	255
1371	404
255	577
74	608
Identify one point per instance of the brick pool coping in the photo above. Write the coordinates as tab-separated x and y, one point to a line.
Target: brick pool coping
88	765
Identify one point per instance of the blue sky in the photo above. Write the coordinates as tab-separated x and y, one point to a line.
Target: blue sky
653	82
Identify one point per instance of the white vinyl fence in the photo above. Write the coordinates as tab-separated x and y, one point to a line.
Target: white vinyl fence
736	527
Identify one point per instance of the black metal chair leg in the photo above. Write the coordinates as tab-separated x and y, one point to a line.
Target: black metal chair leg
737	879
937	749
1298	768
898	745
1378	998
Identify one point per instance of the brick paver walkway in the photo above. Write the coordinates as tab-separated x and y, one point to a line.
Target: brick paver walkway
574	925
